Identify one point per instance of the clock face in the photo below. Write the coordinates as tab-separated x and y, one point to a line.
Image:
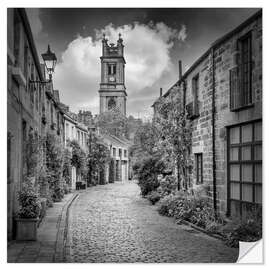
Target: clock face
111	79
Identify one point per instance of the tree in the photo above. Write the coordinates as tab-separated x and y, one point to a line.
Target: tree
174	136
54	165
145	140
78	158
113	122
98	157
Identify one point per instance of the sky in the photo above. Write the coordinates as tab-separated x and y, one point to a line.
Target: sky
155	40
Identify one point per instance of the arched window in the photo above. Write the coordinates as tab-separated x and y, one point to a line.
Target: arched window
111	103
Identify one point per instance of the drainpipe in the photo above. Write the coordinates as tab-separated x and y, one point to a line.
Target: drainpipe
213	134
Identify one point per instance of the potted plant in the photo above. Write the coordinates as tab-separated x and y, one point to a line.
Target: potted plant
28	214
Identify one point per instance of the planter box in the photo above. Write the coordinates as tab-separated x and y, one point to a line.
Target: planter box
26	229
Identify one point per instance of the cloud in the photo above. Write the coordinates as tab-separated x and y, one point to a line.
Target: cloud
34	19
147	53
182	35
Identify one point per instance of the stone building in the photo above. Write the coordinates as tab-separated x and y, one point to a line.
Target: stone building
32	106
112	92
222	94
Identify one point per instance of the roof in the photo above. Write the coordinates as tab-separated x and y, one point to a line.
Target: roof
116	140
214	45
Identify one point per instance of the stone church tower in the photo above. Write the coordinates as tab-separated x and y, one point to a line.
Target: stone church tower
112	92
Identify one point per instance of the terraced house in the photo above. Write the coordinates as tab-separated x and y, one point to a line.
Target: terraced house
222	94
32	105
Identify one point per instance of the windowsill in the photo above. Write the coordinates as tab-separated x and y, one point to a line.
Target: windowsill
242	107
18	76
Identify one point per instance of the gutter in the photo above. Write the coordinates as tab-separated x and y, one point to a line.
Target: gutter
214	134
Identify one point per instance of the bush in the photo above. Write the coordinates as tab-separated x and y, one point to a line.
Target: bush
148	174
167	185
153	197
168	205
57	194
29	202
190	208
248	229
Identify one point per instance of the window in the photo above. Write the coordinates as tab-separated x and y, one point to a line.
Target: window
125	153
112	69
195	92
51	114
120	153
111	103
240	76
244	167
25	60
16	37
36	95
193	106
199	168
9	136
114	152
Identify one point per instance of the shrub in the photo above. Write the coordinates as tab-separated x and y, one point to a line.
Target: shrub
248	229
29	202
148	174
153	197
57	194
167	185
168	204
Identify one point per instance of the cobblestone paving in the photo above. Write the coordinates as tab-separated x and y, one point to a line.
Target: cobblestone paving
112	223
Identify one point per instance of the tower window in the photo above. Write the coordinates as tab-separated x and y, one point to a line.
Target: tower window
112	69
111	103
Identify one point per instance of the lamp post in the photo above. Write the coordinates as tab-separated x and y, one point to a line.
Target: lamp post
50	60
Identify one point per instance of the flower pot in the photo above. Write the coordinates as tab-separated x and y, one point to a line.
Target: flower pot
26	229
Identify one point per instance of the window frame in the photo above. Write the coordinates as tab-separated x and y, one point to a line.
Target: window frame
237	77
199	168
241	162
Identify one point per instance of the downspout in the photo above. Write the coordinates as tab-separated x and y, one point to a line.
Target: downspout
213	134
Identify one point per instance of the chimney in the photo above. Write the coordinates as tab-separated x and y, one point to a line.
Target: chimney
180	69
160	93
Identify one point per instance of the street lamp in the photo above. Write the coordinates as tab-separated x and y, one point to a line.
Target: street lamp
50	60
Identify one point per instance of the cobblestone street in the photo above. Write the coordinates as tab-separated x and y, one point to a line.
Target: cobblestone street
112	223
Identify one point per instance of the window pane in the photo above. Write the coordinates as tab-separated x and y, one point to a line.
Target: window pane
246	153
247	133
246	173
258	131
258	194
258	173
258	152
234	153
247	193
235	135
235	191
235	208
235	172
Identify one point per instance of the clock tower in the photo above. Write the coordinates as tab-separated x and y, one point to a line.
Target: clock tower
112	91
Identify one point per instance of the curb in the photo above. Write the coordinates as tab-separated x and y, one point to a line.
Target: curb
200	229
62	231
68	237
